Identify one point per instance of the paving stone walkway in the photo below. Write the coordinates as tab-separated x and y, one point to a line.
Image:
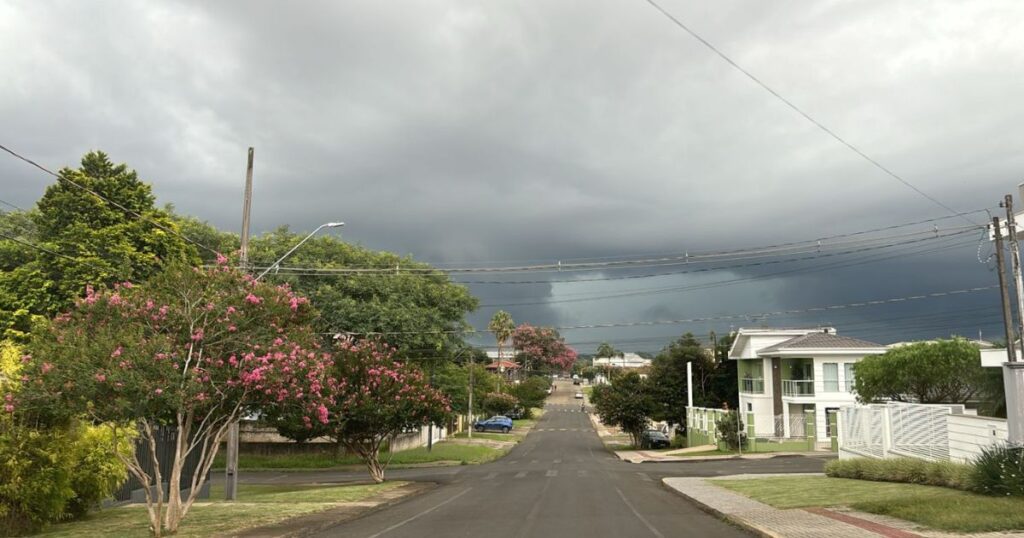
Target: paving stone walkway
765	520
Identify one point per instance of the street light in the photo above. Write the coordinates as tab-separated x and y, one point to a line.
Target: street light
277	264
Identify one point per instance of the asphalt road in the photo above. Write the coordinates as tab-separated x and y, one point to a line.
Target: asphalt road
559	481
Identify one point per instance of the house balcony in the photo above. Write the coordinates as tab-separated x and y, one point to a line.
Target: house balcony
752	386
798	387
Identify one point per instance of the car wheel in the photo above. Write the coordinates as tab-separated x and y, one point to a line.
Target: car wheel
479	428
504	429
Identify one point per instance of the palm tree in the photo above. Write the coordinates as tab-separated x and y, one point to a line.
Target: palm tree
501	326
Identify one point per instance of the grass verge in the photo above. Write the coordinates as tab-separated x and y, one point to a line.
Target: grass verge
442	452
938	508
257	505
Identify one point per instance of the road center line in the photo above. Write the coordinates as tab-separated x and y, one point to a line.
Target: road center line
637	514
423	513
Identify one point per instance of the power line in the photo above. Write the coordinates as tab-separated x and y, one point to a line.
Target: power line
107	200
39	248
727	317
5	202
800	111
720	283
435	272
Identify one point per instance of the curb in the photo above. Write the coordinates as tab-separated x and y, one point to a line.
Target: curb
697	459
317	522
756	531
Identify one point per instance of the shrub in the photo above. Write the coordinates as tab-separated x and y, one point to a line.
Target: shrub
999	470
35	480
678	441
908	470
729	429
499	404
96	472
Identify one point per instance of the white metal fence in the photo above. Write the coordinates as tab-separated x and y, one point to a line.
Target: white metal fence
928	432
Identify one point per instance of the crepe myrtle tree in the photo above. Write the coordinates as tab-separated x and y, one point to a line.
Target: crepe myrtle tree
542	346
193	350
375	398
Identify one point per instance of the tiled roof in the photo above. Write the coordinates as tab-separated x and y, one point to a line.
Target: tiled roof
819	340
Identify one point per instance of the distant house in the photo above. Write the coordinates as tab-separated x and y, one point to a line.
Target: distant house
627	360
785	373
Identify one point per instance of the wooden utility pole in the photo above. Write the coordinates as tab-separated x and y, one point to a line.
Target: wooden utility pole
231	465
1011	349
1011	227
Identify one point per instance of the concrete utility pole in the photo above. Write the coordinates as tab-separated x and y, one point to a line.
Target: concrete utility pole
1008	324
470	428
1011	227
231	465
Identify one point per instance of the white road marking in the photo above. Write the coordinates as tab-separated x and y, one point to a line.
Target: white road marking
520	474
637	514
552	472
421	514
644	477
558	461
489	476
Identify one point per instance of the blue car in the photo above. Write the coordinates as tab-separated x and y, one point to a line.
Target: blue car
497	423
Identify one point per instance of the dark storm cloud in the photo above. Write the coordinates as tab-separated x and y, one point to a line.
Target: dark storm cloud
473	132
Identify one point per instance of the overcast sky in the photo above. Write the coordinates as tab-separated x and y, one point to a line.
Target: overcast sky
474	132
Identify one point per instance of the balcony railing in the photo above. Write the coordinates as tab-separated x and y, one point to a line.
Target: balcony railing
798	387
753	386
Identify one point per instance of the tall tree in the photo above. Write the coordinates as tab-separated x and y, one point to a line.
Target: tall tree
542	346
943	371
606	350
191	349
626	402
83	240
502	327
418	311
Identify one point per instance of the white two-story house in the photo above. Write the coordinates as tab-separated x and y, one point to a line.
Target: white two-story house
785	373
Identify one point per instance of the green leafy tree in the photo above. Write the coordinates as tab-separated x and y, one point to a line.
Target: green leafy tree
497	403
419	312
453	380
606	350
502	327
626	402
191	349
531	392
943	371
669	383
83	241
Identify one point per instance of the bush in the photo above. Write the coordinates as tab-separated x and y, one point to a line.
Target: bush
729	429
678	441
999	470
56	474
499	404
907	470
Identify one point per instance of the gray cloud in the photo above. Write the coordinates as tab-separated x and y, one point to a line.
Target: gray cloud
461	131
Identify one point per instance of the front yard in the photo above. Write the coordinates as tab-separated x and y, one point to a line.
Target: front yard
257	505
938	508
451	453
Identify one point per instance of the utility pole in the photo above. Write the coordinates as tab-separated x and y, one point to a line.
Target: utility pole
470	425
1011	348
430	426
231	465
1011	226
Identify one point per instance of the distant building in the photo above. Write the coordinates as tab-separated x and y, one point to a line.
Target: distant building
627	360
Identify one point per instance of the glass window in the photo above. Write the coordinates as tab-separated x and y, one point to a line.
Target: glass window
830	375
848	374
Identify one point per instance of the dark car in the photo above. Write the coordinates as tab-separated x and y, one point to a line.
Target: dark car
654	439
496	423
516	413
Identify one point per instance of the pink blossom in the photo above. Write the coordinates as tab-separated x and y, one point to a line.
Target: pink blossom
127	285
231	310
253	299
221	259
100	377
294	303
9	408
232	328
46	367
159	391
322	413
117	352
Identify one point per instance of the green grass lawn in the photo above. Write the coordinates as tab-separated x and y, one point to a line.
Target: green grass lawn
442	452
934	507
257	505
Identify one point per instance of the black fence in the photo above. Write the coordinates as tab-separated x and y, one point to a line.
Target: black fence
133	490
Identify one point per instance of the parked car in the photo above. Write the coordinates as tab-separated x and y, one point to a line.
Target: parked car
516	413
575	381
495	423
579	396
654	439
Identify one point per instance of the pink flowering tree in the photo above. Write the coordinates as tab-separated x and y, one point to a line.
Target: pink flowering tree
542	346
375	399
192	350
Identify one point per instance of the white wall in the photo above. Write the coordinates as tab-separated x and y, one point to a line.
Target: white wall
969	434
824	400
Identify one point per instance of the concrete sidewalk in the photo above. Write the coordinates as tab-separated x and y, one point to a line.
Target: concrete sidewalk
650	456
764	520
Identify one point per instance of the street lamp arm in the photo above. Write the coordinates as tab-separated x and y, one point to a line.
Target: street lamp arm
296	247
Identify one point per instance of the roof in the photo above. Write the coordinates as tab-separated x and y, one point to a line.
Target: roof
503	364
819	340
